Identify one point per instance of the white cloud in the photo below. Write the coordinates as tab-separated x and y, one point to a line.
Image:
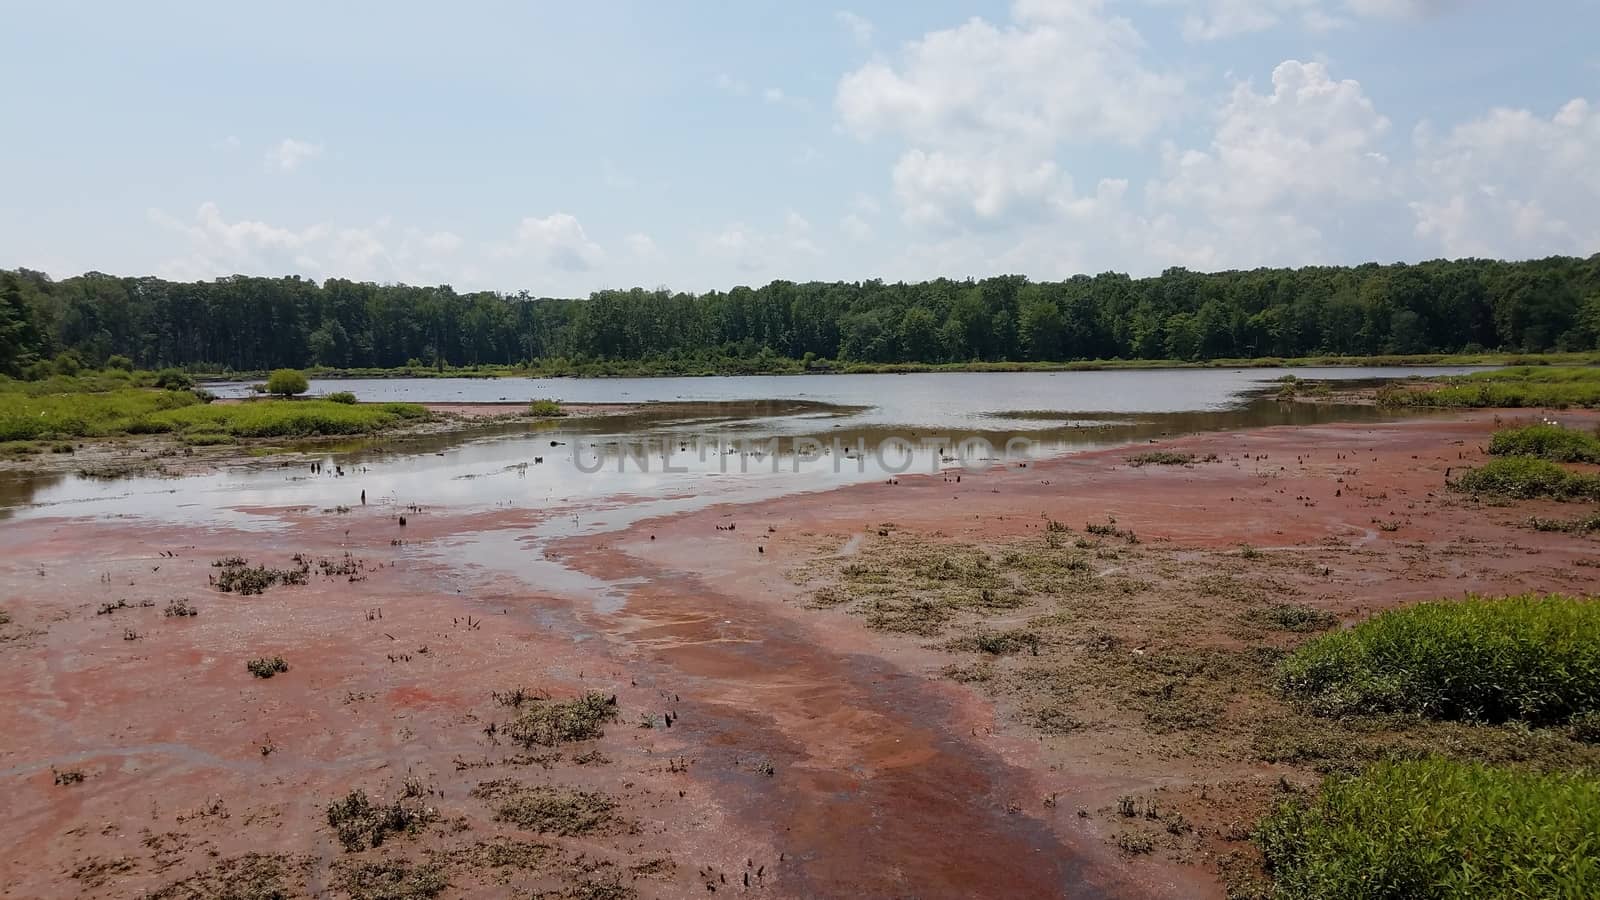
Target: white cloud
557	240
643	247
1511	183
944	190
858	27
1062	71
775	254
855	228
289	153
1210	20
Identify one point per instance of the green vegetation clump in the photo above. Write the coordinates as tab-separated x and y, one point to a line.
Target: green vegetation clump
1161	458
1522	386
266	668
1531	658
548	723
287	383
549	810
1584	525
1292	617
247	580
174	380
1528	478
1434	828
1550	442
95	407
358	823
545	409
344	397
392	879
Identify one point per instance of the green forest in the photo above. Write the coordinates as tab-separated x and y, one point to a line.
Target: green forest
251	324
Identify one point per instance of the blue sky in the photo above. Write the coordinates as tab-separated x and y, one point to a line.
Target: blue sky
563	148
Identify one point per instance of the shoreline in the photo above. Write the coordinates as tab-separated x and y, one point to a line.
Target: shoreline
820	749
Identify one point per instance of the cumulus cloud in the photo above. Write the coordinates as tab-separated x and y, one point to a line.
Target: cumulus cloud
289	153
1511	183
1061	70
211	245
557	240
642	247
770	254
1281	166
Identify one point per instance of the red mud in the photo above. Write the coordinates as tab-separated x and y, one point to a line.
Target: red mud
815	752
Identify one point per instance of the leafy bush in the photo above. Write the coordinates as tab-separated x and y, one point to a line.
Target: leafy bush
341	397
545	409
287	382
1550	442
1438	829
1528	478
118	361
1533	658
174	380
359	823
1161	458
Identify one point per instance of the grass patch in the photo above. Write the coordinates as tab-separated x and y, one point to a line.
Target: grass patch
358	823
548	723
1530	658
238	578
550	810
999	643
1527	478
392	879
1550	442
1436	828
1292	617
266	668
1161	458
1585	525
1522	386
546	409
252	876
52	411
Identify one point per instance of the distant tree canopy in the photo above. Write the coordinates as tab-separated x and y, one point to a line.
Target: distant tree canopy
247	323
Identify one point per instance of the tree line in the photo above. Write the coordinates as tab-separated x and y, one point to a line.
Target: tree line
251	324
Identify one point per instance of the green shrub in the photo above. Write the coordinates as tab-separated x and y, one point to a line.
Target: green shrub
341	397
266	668
118	361
1550	442
1523	386
1438	829
545	409
174	380
548	723
1533	658
287	382
1528	478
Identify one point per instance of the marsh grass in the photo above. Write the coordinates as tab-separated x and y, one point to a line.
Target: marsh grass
1531	658
1293	617
1437	828
266	668
1551	442
1521	386
547	723
358	823
31	415
391	879
545	409
550	810
1161	458
251	876
1527	478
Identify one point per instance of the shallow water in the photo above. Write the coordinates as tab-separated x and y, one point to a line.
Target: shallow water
736	444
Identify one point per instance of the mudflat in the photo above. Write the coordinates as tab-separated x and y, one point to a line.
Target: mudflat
1049	679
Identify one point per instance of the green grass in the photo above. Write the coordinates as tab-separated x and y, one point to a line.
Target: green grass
1433	828
548	722
1528	478
28	414
1523	386
1530	658
545	409
1550	442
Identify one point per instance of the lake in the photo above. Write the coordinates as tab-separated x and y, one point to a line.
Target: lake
704	440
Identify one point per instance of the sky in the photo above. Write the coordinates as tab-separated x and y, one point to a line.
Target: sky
563	148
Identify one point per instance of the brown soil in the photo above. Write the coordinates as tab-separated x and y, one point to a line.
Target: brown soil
808	751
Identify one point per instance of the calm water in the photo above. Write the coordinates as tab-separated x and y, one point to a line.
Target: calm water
706	440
